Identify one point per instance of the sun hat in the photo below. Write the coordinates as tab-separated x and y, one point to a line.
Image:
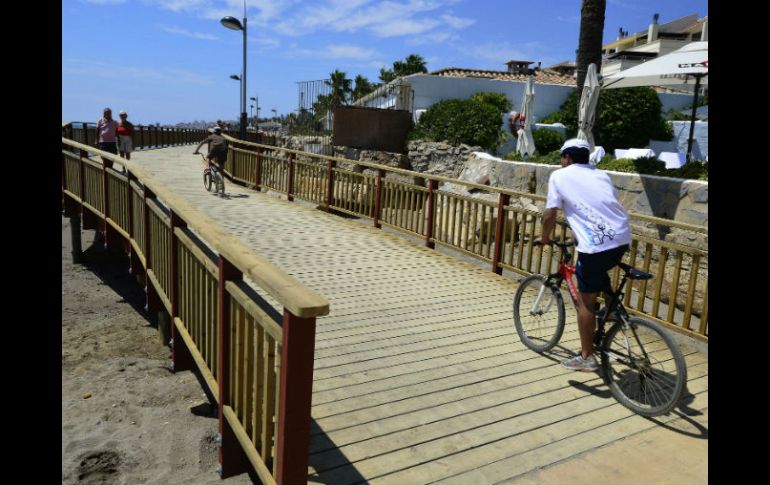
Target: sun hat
578	149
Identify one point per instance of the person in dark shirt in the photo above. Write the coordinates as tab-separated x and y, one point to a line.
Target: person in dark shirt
217	147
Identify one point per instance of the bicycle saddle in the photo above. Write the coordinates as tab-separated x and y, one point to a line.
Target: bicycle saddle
634	273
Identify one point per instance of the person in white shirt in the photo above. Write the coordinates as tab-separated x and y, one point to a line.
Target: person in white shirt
600	226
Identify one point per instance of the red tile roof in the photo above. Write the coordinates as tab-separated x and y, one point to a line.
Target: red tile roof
540	76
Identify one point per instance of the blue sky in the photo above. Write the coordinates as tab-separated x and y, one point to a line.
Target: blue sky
169	61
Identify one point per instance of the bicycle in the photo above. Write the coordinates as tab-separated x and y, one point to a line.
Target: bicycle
213	177
642	366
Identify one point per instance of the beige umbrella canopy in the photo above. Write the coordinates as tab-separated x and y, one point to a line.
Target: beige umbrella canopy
587	108
525	144
679	67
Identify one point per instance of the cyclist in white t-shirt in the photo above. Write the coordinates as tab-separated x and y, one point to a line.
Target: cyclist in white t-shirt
600	226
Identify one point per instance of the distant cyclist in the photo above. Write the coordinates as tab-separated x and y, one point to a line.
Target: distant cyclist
217	147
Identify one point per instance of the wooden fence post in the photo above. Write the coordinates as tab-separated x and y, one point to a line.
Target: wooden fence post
378	199
330	186
232	459
432	186
258	175
499	243
290	182
182	359
296	385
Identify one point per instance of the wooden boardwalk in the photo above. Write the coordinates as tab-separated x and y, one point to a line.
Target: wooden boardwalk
419	375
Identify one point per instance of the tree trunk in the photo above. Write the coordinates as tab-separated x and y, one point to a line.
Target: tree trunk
590	46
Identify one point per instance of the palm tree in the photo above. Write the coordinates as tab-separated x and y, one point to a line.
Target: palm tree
362	87
341	89
413	64
590	41
590	45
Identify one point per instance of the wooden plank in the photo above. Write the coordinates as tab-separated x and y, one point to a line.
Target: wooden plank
208	377
259	466
264	320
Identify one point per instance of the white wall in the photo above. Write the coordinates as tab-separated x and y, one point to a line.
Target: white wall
429	90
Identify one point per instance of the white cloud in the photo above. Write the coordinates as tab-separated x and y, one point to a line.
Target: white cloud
258	11
457	22
104	2
347	52
265	41
434	38
187	33
396	28
383	19
125	73
494	55
335	52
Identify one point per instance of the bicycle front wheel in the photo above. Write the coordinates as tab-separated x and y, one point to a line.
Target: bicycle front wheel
643	367
538	313
207	180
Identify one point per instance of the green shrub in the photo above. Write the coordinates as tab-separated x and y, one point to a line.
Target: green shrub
676	115
555	117
628	118
552	158
697	169
468	121
547	141
645	165
495	99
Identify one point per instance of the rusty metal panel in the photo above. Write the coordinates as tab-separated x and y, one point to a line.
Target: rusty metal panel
371	128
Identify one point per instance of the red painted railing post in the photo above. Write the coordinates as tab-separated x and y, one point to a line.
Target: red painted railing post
432	186
330	186
499	243
180	354
290	182
296	385
378	199
232	460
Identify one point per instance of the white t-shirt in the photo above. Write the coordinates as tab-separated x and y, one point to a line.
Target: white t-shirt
590	204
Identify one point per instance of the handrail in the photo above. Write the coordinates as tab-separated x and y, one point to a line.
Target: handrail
287	290
488	188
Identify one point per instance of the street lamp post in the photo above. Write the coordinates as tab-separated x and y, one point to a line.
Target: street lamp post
256	102
233	24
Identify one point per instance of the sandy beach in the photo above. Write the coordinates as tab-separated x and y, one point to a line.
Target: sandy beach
126	418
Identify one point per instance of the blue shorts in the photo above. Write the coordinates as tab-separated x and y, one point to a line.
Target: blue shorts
591	269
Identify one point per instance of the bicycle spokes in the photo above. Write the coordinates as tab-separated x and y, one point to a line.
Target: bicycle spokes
644	368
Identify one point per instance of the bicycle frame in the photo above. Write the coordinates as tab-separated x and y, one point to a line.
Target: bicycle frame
566	273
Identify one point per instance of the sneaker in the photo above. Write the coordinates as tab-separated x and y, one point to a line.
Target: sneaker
581	364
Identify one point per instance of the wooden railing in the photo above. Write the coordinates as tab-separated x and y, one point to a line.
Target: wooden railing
677	298
143	137
246	325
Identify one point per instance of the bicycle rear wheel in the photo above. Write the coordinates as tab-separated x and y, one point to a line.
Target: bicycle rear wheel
207	180
538	313
220	183
643	367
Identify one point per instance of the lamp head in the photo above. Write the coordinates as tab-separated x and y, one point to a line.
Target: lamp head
232	23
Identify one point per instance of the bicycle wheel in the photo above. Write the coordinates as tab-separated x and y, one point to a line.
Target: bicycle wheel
643	367
207	180
220	183
538	313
